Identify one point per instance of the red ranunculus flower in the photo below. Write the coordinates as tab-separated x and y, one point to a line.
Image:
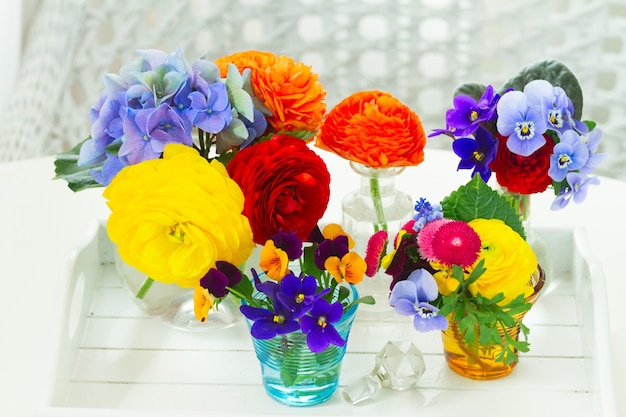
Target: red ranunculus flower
523	175
286	186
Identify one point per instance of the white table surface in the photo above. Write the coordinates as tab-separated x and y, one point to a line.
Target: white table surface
41	221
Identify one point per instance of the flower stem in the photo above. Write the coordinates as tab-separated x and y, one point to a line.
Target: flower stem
380	224
145	287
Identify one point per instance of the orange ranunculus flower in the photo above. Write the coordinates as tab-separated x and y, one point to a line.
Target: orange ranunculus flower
374	129
350	268
289	89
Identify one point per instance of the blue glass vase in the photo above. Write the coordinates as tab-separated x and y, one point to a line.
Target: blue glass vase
295	376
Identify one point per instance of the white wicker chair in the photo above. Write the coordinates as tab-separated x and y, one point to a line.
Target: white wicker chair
418	50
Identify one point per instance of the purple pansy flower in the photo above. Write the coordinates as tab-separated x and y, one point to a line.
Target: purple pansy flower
522	123
476	153
217	279
288	242
318	325
570	154
576	190
411	298
330	247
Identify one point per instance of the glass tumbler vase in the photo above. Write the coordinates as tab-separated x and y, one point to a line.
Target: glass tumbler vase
476	360
295	376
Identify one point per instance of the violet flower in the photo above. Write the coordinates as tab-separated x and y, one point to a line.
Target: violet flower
411	298
318	325
476	153
468	113
298	295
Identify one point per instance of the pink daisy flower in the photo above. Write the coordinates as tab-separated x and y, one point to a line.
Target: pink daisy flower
455	243
375	251
425	239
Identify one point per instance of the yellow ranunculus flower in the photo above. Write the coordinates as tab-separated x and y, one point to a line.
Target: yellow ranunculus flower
509	261
173	218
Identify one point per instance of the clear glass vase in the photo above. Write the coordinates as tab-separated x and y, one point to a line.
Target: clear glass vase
522	204
171	304
376	205
295	376
476	360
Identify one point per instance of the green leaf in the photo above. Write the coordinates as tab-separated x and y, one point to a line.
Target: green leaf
308	264
477	200
557	74
78	177
474	90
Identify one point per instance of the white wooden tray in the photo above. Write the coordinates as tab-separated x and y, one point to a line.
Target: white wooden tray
113	361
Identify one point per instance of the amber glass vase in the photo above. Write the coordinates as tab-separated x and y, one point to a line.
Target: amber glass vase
476	360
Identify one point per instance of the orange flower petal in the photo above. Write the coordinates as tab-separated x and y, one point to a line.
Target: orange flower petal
375	129
274	261
332	230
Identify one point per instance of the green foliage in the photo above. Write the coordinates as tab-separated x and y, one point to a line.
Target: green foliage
557	74
474	90
483	320
78	177
477	200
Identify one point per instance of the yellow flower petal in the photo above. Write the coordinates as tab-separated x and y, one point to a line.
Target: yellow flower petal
202	303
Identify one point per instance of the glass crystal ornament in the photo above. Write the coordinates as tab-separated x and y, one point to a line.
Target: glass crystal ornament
399	366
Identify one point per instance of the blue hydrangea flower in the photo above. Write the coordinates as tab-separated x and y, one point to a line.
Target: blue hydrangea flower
425	213
411	297
576	190
318	325
476	153
148	131
468	113
570	154
522	123
213	110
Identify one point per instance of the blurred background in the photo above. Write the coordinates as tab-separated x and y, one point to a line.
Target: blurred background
55	53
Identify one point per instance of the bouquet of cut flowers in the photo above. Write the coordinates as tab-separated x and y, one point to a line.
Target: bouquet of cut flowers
301	287
529	133
163	133
465	260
